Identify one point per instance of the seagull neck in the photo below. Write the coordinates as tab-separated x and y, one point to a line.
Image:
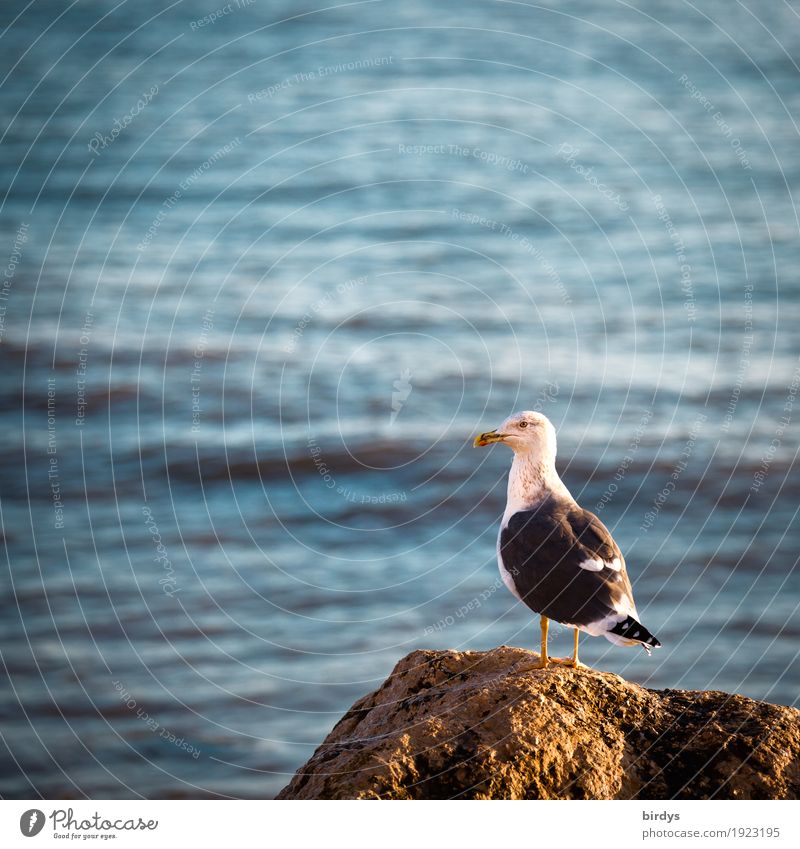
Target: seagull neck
530	481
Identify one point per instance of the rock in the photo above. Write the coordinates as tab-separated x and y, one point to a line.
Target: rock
484	725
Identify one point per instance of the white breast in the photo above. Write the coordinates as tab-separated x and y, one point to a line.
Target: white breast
505	575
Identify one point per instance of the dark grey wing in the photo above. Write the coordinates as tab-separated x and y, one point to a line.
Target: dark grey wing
565	564
592	534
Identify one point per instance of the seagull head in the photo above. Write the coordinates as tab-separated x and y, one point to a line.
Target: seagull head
527	433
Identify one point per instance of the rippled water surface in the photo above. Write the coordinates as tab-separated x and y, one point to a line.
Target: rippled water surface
267	275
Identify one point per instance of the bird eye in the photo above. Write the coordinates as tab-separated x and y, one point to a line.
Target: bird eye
523	424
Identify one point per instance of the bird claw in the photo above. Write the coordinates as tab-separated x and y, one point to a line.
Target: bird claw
542	663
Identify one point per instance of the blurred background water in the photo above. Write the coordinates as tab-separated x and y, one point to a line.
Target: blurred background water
268	268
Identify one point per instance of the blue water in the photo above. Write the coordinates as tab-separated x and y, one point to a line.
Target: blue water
253	322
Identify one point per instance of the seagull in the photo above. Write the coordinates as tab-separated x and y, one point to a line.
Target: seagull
556	557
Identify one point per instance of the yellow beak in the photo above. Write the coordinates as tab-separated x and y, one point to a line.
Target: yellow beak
488	438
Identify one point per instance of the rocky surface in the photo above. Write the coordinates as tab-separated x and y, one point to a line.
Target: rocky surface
484	725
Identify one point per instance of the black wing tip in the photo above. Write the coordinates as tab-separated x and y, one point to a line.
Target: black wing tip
650	644
631	629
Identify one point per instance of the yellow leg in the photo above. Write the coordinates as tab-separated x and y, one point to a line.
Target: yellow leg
544	659
573	661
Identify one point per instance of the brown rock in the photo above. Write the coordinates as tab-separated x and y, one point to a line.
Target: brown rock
484	725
